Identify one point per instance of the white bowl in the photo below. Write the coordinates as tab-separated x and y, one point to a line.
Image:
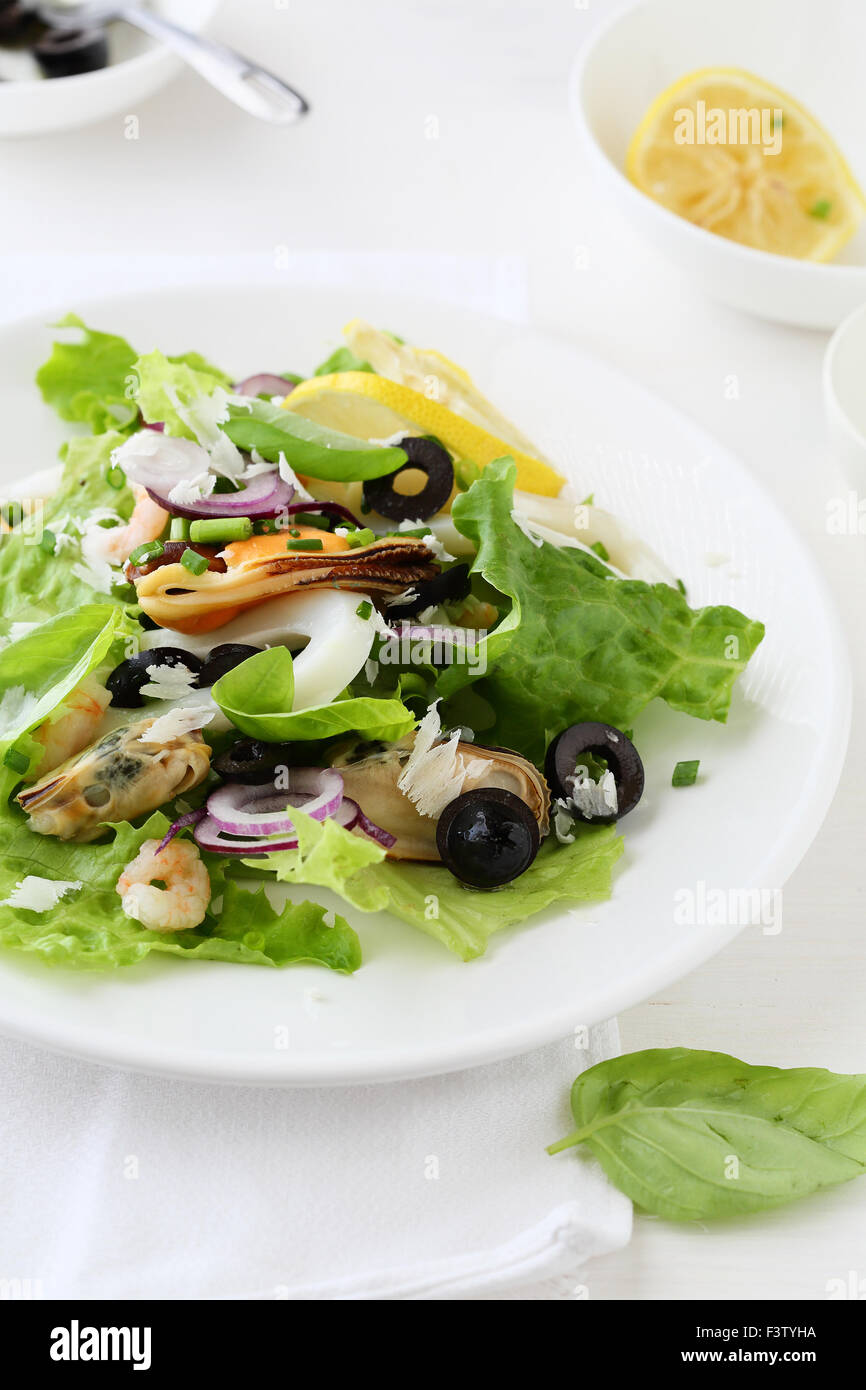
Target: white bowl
844	382
138	67
815	52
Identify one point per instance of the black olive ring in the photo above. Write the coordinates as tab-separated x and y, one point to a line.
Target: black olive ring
426	455
618	751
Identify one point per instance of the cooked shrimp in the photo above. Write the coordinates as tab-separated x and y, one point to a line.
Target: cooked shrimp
116	543
80	717
182	903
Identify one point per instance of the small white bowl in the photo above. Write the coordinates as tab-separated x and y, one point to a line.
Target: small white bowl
844	383
138	67
815	52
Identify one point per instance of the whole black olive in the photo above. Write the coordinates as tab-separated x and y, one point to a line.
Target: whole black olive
487	837
221	659
602	741
251	760
430	458
449	586
126	680
66	52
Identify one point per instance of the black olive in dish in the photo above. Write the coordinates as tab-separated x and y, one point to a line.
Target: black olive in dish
430	458
126	680
68	52
223	658
487	837
603	741
449	586
252	760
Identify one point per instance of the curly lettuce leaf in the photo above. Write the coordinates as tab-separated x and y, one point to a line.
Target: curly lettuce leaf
40	573
87	928
40	669
581	644
428	897
164	383
88	381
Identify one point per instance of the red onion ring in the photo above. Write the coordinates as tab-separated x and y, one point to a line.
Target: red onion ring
329	508
191	818
264	384
263	496
384	837
239	809
209	835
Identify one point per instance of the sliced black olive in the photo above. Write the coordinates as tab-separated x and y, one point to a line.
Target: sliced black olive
449	586
426	455
592	738
65	52
487	837
252	760
19	25
126	680
221	659
147	623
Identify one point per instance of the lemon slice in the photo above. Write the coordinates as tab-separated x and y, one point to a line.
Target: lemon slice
374	407
737	156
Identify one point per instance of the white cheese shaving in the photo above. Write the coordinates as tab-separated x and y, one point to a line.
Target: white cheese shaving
371	670
436	548
436	770
40	894
527	527
18	709
288	475
177	722
168	682
190	490
593	798
407	595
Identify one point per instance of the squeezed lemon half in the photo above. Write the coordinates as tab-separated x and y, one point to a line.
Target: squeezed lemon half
741	158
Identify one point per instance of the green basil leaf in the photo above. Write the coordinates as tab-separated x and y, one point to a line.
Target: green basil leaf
308	447
691	1135
258	694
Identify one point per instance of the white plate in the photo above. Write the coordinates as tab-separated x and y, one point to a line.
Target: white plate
814	52
138	67
767	778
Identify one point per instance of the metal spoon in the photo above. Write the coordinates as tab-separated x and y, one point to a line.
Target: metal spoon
245	83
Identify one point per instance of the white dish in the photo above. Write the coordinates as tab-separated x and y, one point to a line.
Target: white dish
813	52
138	67
768	777
844	382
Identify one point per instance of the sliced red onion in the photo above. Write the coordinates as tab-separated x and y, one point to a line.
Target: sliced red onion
263	496
245	810
191	818
384	837
265	384
329	508
156	425
210	835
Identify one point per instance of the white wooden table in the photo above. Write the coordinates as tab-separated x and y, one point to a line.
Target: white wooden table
441	125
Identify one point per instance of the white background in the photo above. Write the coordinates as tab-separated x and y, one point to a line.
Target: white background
504	175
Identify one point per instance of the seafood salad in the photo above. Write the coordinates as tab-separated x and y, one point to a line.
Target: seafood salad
349	630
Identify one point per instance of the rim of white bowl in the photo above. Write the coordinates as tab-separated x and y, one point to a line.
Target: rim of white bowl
828	374
151	57
686	228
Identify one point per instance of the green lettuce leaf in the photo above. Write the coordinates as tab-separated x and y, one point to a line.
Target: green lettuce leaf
428	897
89	380
34	582
308	447
164	382
579	643
342	359
88	929
40	669
257	697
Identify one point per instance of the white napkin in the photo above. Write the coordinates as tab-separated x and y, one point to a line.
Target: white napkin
123	1186
117	1185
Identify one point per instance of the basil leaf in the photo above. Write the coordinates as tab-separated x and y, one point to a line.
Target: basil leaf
691	1135
381	720
308	447
258	693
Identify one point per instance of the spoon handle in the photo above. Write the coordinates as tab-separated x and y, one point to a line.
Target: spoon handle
255	89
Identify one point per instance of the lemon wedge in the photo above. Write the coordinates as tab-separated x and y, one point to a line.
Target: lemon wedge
741	158
370	406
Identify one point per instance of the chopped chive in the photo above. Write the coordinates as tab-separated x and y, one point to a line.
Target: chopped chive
416	531
364	609
223	528
293	531
48	542
116	478
359	538
681	586
321	523
192	561
685	774
821	208
600	549
151	550
19	762
305	544
588	500
179	529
